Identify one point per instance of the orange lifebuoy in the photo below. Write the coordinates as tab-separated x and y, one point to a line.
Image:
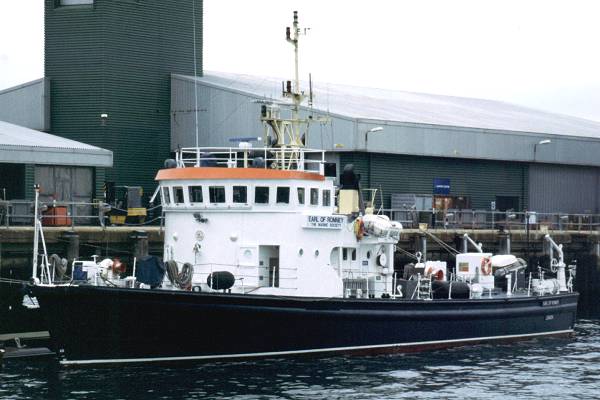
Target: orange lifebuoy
436	274
486	266
359	228
118	266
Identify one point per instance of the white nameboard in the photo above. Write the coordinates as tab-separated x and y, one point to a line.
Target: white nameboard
324	222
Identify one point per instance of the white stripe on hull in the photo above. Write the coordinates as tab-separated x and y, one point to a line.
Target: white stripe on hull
308	351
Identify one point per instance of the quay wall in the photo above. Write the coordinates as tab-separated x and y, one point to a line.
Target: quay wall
580	247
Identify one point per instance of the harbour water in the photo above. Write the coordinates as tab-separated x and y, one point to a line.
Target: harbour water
565	368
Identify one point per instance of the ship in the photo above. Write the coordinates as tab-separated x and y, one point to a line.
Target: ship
265	257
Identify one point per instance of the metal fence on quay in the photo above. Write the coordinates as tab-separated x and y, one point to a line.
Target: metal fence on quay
486	219
61	213
20	213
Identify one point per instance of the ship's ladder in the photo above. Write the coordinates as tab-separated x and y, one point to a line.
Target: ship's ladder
424	287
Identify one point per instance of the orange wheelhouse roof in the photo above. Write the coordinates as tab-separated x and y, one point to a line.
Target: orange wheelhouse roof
212	173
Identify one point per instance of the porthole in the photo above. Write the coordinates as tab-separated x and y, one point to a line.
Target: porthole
300	252
368	254
317	253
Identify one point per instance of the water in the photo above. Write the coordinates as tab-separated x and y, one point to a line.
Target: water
542	368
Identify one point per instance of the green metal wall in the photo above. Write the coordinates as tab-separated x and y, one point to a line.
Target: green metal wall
482	180
116	57
29	181
99	180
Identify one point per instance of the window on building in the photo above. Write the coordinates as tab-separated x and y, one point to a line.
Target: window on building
240	194
178	195
301	196
326	198
166	195
283	195
261	194
314	197
216	194
195	193
75	2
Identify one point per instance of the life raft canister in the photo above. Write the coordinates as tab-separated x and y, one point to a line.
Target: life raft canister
486	266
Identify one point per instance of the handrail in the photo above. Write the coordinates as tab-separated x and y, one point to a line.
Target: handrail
487	219
78	213
284	158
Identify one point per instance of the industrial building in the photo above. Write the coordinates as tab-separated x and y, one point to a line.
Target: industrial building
124	75
66	170
469	153
107	67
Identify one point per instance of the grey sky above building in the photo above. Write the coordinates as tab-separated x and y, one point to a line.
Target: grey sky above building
539	54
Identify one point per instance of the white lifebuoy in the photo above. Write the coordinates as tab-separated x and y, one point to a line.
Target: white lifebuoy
486	266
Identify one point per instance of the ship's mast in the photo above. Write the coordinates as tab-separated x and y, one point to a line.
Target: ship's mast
296	96
288	133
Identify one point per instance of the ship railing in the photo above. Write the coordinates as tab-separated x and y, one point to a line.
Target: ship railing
279	277
357	283
488	219
283	158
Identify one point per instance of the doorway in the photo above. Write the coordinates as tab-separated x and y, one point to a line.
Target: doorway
506	203
268	261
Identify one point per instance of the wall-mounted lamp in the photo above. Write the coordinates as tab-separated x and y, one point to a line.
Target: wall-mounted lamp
541	142
372	130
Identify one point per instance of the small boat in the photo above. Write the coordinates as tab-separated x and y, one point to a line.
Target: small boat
264	256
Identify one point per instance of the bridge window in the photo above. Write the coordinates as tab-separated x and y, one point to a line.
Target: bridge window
314	197
283	195
301	196
326	198
261	195
216	194
195	193
240	194
166	195
178	195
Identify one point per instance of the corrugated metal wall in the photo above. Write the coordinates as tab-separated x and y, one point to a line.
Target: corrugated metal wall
116	57
559	188
27	105
225	114
481	180
29	181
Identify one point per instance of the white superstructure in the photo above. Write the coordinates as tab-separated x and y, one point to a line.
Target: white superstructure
269	218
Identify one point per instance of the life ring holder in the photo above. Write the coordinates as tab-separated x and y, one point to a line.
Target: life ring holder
486	266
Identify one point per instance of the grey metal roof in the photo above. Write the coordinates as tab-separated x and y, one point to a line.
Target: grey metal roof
23	145
419	108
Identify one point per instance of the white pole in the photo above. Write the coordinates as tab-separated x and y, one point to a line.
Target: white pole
36	188
195	85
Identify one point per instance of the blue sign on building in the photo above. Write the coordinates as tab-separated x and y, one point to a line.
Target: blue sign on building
441	186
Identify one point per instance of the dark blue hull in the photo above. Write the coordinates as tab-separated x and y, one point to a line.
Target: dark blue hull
104	325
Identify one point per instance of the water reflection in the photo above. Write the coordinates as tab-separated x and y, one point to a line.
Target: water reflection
561	368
